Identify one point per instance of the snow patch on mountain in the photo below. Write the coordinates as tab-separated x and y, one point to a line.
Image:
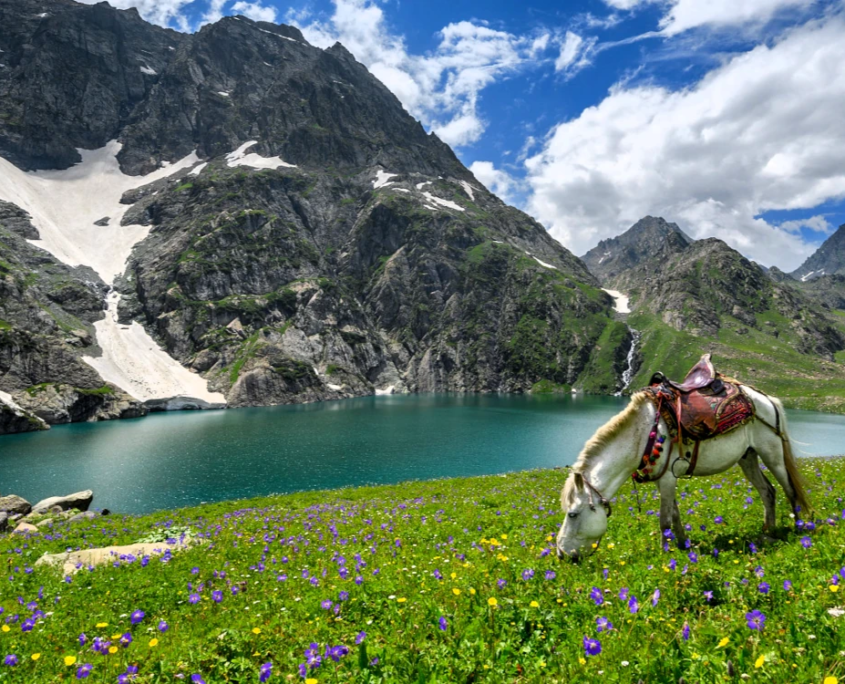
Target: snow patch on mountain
620	301
64	206
240	158
382	179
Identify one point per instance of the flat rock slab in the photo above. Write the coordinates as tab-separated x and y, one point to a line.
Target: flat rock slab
109	554
25	528
78	501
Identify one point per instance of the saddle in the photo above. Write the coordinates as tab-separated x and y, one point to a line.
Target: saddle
703	406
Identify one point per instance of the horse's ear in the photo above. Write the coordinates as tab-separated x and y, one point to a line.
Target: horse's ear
578	478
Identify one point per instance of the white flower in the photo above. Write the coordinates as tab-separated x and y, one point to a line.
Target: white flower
625	663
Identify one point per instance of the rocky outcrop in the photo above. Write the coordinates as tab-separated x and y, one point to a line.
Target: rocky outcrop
15	419
14	505
56	403
827	260
80	501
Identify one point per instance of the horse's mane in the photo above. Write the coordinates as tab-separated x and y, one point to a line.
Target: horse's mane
599	440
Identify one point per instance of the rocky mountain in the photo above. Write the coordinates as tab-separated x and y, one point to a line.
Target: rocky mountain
829	259
612	260
691	297
262	223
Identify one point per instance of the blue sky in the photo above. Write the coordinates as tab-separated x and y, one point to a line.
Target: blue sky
724	116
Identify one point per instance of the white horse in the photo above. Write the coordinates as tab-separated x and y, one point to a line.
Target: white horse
614	453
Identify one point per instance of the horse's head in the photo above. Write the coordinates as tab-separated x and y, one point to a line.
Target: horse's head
585	522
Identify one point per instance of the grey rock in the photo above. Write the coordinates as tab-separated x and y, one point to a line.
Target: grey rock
14	505
57	403
827	260
47	522
17	221
103	221
85	515
4	521
79	501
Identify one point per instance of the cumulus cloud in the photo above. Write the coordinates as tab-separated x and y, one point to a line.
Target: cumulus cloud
162	12
441	88
816	224
497	181
763	131
255	11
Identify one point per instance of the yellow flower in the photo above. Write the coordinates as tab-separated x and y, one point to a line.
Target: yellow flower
582	660
759	662
112	649
256	630
153	643
456	591
310	681
723	642
100	625
831	680
401	600
834	588
534	604
611	545
116	636
492	601
454	575
36	656
5	628
70	660
503	536
472	591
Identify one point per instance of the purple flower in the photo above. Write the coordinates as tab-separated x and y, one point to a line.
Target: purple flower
501	583
163	626
194	598
693	557
137	617
83	639
11	660
264	672
443	624
755	620
126	639
527	574
437	574
633	604
84	670
217	596
197	679
326	605
806	542
685	631
27	625
597	596
787	585
343	596
195	571
603	625
655	597
592	647
359	639
623	594
708	595
718	520
550	574
763	587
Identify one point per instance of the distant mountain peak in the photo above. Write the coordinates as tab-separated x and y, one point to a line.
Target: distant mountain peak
829	259
646	238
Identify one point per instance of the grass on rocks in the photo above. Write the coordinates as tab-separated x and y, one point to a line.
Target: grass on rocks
443	581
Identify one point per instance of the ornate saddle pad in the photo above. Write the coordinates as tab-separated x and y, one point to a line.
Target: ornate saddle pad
705	412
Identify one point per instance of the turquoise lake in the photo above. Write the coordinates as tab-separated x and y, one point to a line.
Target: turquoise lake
180	459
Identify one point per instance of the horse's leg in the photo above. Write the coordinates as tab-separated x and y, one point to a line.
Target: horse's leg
751	468
773	458
670	516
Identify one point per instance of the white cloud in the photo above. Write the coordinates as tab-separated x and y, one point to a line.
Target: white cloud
763	131
255	11
817	224
626	4
575	53
441	88
162	12
498	182
688	14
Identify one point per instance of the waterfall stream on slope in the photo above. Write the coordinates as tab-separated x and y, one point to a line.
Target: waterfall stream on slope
628	373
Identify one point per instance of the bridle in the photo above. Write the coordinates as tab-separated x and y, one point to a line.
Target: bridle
602	499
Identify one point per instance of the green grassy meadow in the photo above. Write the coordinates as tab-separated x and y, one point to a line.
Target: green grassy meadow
439	581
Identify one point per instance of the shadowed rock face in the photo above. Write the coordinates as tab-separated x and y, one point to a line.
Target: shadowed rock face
828	260
371	260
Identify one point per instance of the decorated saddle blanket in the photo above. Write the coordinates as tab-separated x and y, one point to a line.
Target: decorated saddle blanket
706	412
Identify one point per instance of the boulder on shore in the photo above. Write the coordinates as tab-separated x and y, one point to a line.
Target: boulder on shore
79	501
4	521
14	505
25	528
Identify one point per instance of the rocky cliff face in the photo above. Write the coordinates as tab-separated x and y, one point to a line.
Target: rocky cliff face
320	244
829	259
648	241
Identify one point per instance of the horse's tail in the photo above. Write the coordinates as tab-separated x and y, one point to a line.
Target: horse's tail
795	477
